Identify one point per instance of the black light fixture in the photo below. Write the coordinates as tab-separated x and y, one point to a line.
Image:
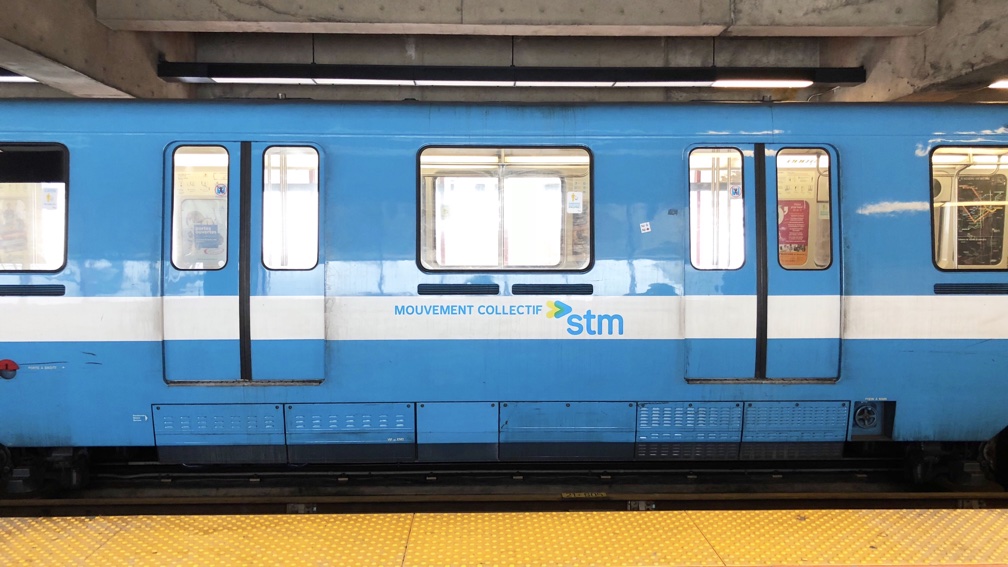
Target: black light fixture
468	76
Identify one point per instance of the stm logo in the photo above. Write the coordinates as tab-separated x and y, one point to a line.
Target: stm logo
593	324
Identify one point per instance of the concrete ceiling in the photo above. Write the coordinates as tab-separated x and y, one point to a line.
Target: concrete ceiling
912	50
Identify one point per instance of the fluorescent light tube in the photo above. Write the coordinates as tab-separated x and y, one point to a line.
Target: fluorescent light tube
16	79
760	84
262	80
564	83
367	82
437	83
661	84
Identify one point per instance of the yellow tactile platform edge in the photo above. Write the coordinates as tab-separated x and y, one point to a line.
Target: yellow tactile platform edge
776	537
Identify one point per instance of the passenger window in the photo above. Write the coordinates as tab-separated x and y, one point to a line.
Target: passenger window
804	240
290	208
33	213
505	209
717	207
968	208
199	207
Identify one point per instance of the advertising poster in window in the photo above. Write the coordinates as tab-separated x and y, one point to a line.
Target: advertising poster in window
792	232
981	220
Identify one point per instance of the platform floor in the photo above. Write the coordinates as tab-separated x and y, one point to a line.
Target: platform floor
777	537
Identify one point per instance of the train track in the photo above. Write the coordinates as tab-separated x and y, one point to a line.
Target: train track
173	490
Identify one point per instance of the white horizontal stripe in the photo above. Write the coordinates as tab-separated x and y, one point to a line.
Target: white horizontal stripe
803	317
207	317
287	317
720	316
788	316
58	319
926	317
508	317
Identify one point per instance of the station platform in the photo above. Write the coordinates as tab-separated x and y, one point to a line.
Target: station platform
668	538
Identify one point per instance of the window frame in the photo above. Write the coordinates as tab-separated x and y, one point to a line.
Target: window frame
829	193
227	207
66	201
689	207
318	209
932	210
420	210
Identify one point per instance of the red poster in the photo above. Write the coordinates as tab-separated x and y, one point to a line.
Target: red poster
792	232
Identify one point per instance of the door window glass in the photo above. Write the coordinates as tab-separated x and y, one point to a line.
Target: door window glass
717	209
199	207
804	239
290	208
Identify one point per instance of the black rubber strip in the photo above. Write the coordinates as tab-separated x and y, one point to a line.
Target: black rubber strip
244	262
552	289
458	289
25	290
971	289
759	156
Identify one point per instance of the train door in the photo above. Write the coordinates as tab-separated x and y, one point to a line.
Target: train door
762	285
803	264
719	300
243	285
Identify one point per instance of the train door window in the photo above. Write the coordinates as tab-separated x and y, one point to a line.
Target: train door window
804	240
199	207
33	213
290	208
505	209
968	208
717	207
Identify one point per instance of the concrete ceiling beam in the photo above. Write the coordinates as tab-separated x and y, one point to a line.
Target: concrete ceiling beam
954	61
53	74
671	18
501	52
832	18
60	44
504	51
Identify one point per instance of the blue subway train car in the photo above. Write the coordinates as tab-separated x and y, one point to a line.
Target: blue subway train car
294	282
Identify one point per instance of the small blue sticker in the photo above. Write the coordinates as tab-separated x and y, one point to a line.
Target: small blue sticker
736	191
220	190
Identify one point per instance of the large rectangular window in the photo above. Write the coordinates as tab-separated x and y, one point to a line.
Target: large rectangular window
290	208
33	212
968	208
717	209
199	207
505	209
803	209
